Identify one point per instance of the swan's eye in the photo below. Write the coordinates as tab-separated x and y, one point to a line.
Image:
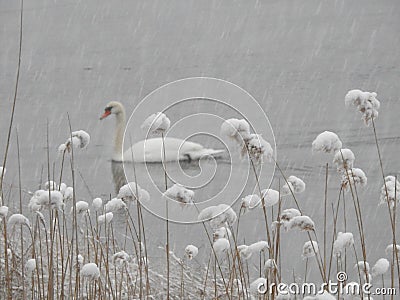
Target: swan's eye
108	108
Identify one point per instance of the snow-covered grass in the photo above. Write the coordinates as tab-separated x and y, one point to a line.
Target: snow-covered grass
59	246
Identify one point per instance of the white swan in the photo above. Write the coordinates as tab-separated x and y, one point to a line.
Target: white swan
150	150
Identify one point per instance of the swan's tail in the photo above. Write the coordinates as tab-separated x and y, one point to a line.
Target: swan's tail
195	155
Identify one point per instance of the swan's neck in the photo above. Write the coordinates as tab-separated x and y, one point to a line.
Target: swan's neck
119	136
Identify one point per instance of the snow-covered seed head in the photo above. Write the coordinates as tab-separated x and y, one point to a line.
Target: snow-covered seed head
51	185
68	193
381	267
120	258
310	248
238	130
114	205
251	201
270	196
390	248
90	271
365	102
354	176
364	267
3	212
62	148
179	194
53	199
269	264
296	184
390	191
17	219
327	142
78	139
191	251
156	123
343	241
30	266
81	207
97	203
133	192
79	260
218	216
258	149
221	246
222	232
344	160
287	215
303	223
106	218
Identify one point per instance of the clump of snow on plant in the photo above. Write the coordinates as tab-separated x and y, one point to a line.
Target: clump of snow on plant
42	198
81	207
3	212
303	223
354	176
120	258
327	142
156	123
310	248
258	149
390	248
114	205
238	130
344	159
287	215
343	241
221	246
250	202
218	215
381	267
180	194
106	218
246	252
17	219
133	192
365	102
270	196
222	232
294	184
30	266
97	203
78	139
390	191
90	271
191	251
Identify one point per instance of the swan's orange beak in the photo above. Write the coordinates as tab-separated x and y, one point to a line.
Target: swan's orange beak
106	114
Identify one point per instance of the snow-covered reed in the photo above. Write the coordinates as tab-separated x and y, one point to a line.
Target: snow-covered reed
78	139
90	271
344	159
180	194
343	241
390	192
365	102
133	192
354	176
294	185
310	249
218	215
327	142
191	251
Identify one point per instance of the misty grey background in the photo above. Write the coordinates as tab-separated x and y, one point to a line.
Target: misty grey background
297	58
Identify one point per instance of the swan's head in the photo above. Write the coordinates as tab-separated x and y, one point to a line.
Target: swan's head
112	107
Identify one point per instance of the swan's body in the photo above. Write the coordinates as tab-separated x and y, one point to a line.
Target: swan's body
151	150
